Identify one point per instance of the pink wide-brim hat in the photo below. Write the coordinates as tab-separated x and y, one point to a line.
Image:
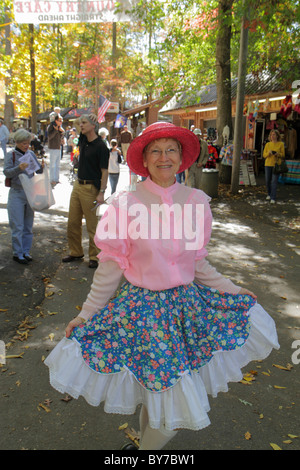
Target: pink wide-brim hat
162	130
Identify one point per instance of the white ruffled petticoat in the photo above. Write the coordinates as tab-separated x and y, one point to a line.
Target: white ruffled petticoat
185	405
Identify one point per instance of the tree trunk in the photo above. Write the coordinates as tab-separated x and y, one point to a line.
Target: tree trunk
238	128
8	106
32	80
224	114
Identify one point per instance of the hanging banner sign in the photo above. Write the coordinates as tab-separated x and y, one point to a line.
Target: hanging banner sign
72	11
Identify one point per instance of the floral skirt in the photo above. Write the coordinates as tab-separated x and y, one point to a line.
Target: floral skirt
166	349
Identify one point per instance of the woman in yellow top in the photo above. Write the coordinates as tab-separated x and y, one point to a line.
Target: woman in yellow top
273	153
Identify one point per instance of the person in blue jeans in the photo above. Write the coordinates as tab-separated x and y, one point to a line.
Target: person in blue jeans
273	153
20	214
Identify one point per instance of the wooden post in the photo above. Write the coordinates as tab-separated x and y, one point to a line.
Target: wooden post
32	80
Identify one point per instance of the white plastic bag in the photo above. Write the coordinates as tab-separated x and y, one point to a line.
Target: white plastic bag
38	190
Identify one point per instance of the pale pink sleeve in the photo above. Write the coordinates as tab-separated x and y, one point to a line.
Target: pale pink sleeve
105	282
206	226
208	276
112	236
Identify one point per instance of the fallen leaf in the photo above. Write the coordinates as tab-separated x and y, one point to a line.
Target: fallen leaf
288	367
278	386
44	407
123	426
245	402
66	398
133	436
292	436
15	356
3	309
275	446
248	435
49	294
51	336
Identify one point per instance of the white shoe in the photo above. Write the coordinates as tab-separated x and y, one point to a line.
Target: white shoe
272	201
268	198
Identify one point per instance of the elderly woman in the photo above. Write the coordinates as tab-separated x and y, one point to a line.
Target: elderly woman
176	330
273	153
20	214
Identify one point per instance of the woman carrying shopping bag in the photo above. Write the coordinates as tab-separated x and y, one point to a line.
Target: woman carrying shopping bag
20	214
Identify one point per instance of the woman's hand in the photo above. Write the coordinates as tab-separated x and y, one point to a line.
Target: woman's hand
23	166
247	292
73	323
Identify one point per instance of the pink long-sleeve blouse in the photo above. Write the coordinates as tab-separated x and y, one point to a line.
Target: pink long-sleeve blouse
156	234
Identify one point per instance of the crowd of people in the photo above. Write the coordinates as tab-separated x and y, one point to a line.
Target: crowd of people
96	160
160	326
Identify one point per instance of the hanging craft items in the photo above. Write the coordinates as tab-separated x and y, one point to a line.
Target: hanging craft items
297	105
286	107
266	105
256	106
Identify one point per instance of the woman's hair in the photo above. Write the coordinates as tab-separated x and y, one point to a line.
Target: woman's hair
113	142
21	135
275	131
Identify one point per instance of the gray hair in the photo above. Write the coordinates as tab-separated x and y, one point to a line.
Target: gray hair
103	132
21	135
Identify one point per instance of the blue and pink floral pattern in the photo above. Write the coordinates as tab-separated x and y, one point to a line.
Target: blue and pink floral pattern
159	335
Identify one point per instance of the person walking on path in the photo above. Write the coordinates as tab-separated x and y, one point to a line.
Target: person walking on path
125	139
114	165
4	136
195	171
273	153
88	189
55	135
176	330
20	214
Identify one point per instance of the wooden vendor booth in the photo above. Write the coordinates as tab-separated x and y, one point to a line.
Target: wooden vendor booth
267	105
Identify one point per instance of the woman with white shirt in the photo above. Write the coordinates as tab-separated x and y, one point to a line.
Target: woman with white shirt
177	330
114	165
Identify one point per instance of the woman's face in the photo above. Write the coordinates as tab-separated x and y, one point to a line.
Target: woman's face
162	158
274	137
24	146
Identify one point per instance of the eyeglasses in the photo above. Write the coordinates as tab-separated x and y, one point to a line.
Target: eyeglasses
158	153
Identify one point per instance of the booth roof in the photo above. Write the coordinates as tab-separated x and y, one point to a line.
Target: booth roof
255	85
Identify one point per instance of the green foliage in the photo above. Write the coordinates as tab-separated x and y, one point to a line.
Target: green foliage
168	48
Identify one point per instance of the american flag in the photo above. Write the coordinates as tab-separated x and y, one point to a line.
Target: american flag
104	104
